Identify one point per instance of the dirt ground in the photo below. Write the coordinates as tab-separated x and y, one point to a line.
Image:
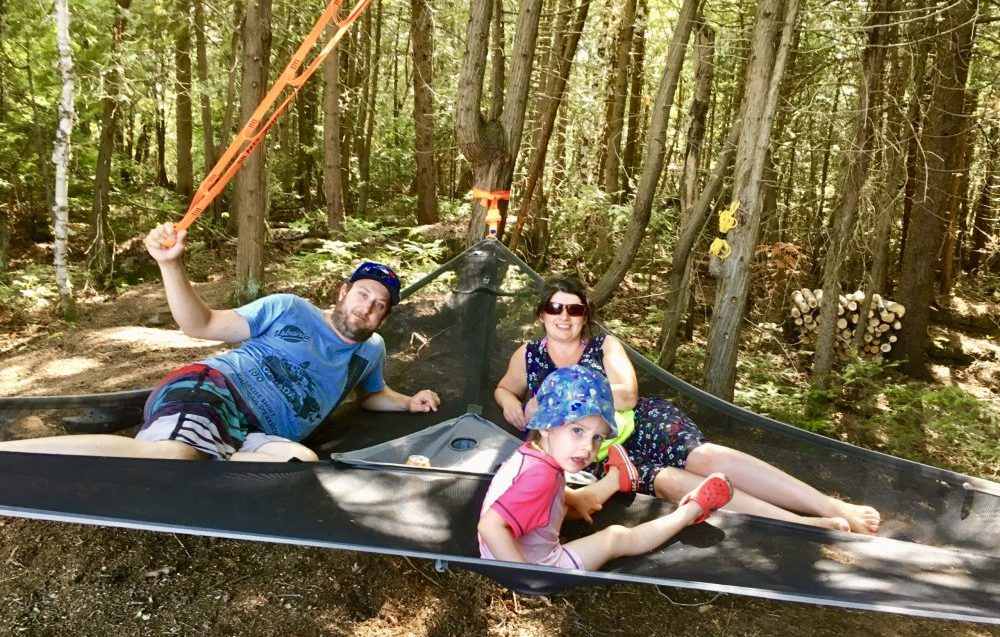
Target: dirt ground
61	579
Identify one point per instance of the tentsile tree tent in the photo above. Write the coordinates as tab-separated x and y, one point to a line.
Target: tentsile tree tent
937	554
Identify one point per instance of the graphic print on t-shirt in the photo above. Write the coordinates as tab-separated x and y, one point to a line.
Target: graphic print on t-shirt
295	384
292	334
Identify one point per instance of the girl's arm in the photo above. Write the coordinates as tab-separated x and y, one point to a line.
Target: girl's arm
512	388
621	374
498	538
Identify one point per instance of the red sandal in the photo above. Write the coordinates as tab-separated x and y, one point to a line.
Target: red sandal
712	494
628	475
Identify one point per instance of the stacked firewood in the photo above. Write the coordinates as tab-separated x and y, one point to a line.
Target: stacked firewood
882	321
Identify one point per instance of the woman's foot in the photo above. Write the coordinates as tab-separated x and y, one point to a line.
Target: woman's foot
862	519
834	523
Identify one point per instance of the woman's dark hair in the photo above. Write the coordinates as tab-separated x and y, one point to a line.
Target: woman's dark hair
569	285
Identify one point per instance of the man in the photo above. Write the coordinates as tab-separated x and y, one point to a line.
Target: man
294	365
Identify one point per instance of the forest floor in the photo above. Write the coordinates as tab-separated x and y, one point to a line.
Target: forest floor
62	579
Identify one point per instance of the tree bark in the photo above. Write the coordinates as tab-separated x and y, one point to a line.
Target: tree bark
568	40
364	157
766	67
100	254
619	95
680	265
855	173
207	127
251	184
982	225
655	155
333	189
182	89
61	153
491	145
945	122
422	37
631	151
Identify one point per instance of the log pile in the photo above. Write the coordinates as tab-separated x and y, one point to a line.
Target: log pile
882	321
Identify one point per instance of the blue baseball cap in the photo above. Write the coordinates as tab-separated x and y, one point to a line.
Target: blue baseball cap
381	273
572	393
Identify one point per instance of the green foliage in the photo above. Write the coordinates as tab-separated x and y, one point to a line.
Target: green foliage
31	289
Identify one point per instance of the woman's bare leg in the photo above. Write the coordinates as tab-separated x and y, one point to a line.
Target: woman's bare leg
771	485
673	483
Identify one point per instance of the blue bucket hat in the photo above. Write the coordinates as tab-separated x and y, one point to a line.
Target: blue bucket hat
380	273
572	393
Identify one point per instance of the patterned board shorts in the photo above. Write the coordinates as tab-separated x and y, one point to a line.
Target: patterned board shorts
197	406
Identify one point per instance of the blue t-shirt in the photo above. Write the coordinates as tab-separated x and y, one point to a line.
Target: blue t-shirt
294	369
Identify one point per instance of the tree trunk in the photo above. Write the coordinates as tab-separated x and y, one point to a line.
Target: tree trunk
567	40
185	119
982	226
916	117
766	67
364	157
491	145
100	254
207	127
945	121
333	189
619	95
678	289
422	37
251	184
60	157
680	262
958	194
655	155
842	225
161	140
886	203
635	98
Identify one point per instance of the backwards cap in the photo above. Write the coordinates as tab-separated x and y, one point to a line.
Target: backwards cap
380	273
572	393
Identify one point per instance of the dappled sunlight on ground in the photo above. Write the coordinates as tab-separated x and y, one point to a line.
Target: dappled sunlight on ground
152	337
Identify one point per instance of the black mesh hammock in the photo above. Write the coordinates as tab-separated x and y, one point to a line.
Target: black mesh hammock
937	554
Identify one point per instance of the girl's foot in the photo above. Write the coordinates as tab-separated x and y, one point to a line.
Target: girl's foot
628	475
712	494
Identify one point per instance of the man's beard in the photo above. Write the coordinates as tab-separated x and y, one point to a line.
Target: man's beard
359	334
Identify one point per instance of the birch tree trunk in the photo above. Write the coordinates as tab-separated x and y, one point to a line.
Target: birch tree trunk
491	145
251	182
61	153
768	55
842	227
655	155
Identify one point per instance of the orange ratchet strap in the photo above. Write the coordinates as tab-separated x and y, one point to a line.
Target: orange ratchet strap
250	137
491	201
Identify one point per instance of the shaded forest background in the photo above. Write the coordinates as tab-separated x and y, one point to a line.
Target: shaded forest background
857	143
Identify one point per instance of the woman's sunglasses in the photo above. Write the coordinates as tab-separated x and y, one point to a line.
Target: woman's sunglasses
573	309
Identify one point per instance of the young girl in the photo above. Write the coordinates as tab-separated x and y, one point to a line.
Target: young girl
526	502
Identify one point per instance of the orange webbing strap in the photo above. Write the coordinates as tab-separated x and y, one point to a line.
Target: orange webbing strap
491	201
250	137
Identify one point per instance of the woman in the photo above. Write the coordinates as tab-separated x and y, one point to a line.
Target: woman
670	453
